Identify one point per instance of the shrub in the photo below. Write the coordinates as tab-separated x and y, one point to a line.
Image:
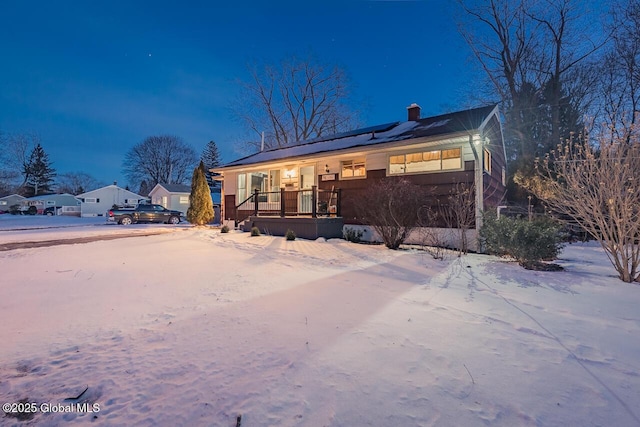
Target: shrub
352	235
391	207
526	241
255	231
290	235
200	210
224	229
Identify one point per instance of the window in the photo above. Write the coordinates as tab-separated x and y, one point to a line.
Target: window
274	185
262	181
353	169
184	200
487	160
91	200
504	177
242	188
426	161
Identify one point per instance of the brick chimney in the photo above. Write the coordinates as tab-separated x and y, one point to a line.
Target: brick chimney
413	111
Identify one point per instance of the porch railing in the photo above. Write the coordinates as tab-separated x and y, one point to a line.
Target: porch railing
314	202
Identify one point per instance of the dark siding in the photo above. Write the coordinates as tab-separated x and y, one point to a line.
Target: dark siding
229	206
438	185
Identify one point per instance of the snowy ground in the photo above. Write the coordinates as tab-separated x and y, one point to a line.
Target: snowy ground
193	327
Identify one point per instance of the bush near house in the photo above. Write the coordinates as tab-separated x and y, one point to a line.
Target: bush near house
528	242
224	229
391	207
255	231
290	235
352	235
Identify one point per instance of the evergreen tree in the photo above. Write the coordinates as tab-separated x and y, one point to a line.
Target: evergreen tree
211	158
144	188
200	210
38	172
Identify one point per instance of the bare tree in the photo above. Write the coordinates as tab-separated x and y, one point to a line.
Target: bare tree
533	53
299	100
391	208
163	159
620	68
460	213
597	187
76	183
14	158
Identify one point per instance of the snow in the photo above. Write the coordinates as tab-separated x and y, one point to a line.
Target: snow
195	327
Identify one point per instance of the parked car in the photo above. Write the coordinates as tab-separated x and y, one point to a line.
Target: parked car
51	210
144	213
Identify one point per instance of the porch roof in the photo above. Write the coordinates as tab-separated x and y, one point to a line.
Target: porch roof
460	121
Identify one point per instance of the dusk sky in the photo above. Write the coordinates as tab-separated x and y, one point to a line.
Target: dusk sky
92	79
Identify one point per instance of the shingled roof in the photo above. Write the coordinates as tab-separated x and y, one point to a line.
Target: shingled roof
460	121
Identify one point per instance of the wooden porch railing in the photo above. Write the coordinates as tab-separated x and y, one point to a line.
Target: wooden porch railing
314	202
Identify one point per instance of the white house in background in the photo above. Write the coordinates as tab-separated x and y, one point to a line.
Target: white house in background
171	196
7	201
98	202
65	204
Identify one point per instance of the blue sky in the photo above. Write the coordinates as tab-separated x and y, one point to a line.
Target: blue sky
95	78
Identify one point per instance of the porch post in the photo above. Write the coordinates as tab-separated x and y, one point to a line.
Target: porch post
255	202
282	202
338	202
314	201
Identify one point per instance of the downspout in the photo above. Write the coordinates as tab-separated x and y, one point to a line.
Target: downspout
478	180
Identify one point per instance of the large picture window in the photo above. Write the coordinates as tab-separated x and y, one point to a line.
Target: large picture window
425	161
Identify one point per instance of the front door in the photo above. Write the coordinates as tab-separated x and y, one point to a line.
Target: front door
307	181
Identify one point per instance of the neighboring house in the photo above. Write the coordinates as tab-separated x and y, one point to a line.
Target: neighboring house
326	175
98	202
171	196
11	200
65	204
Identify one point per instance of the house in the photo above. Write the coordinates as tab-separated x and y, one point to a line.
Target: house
98	202
317	182
64	204
171	196
11	200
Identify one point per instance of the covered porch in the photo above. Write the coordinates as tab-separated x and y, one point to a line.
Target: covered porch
310	213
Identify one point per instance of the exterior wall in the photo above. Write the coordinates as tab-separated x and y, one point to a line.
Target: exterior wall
172	199
107	196
8	201
494	188
424	236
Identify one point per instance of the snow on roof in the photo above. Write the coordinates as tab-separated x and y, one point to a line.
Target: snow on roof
176	188
438	125
109	187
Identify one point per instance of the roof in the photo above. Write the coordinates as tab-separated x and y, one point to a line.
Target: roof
52	196
110	187
12	196
460	121
175	188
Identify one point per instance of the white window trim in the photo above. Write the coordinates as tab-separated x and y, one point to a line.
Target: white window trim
353	162
486	160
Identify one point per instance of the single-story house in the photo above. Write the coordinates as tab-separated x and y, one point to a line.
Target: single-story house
65	203
318	181
171	196
11	200
98	202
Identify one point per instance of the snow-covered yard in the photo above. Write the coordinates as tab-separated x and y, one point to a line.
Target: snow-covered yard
193	327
